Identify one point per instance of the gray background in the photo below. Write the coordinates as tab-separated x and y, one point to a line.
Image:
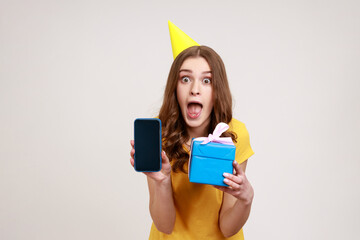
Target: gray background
75	74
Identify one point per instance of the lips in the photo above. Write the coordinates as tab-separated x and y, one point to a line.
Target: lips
194	109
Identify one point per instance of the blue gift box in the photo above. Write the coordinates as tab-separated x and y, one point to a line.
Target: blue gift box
209	161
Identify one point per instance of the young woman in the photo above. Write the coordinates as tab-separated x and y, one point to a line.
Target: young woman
197	97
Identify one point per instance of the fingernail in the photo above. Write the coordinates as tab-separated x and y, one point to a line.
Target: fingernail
226	174
226	180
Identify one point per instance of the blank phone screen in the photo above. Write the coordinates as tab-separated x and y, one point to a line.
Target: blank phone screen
147	144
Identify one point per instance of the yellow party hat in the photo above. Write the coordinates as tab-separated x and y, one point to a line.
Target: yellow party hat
179	40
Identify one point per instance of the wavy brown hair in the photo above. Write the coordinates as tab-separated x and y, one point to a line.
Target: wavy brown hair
173	125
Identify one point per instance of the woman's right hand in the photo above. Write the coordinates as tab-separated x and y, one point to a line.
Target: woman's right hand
160	176
162	208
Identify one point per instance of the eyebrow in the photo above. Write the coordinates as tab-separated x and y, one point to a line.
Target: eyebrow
188	70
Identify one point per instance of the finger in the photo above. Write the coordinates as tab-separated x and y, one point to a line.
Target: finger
232	184
132	152
164	157
132	162
132	143
238	169
234	178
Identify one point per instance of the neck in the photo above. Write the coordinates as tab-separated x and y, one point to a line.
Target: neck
200	131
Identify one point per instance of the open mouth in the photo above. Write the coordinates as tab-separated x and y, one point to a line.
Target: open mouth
194	109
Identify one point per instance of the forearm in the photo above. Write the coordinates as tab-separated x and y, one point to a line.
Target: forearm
234	219
162	209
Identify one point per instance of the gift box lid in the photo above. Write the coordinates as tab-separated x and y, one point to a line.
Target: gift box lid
213	150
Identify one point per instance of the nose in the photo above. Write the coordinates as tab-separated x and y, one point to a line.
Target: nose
195	88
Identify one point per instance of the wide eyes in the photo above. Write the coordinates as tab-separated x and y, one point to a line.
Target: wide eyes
187	80
206	81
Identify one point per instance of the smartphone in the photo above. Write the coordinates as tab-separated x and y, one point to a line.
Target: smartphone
147	136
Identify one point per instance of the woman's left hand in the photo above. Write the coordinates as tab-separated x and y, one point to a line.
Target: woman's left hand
239	186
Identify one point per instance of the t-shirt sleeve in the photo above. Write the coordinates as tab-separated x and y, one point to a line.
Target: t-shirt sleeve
243	148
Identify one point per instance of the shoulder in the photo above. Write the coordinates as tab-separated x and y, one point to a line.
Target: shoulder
243	148
238	127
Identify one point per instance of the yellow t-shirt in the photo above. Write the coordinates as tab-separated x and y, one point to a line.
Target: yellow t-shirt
197	205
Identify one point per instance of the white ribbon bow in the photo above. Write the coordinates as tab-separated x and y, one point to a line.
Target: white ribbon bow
215	137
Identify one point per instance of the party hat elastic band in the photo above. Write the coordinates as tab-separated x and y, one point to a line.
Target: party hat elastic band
179	40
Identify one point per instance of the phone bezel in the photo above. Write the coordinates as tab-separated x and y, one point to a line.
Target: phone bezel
160	142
